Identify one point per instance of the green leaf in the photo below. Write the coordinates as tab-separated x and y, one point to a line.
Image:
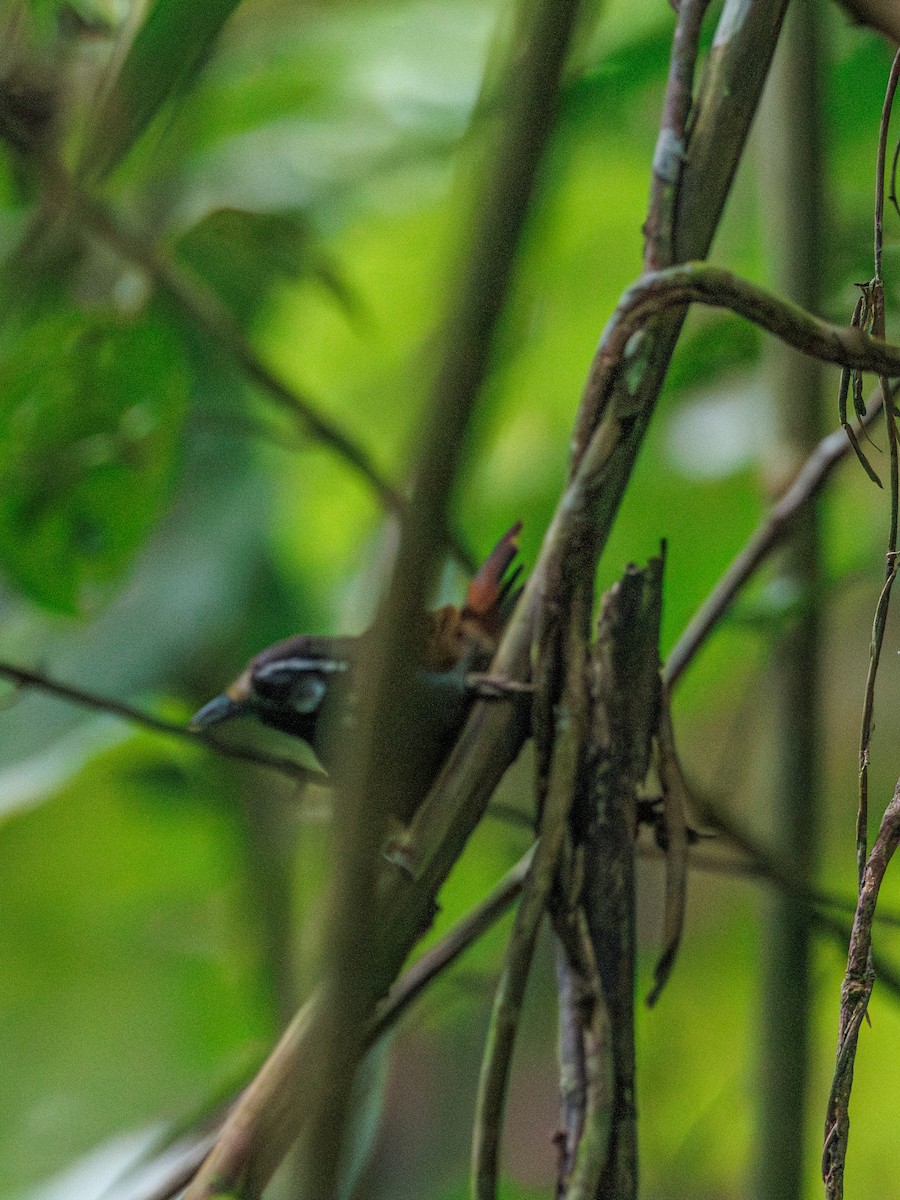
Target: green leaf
243	255
91	416
168	51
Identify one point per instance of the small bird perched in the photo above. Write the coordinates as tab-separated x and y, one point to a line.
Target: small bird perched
305	686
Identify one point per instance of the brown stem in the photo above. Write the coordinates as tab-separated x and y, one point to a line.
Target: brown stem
855	993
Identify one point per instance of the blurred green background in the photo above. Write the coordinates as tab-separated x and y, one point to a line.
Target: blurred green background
161	520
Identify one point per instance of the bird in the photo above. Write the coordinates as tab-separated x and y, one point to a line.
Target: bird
306	685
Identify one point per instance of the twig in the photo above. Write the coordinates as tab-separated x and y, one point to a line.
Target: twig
204	309
881	611
748	866
699	283
571	726
810	479
865	737
886	110
24	678
855	993
675	818
405	992
756	863
781	875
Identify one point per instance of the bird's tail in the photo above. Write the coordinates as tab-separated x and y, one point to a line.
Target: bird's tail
493	592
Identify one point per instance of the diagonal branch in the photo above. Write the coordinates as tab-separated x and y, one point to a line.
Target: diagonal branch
25	679
765	539
365	947
855	993
671	145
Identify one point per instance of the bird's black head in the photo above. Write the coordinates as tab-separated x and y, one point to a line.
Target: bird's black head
292	687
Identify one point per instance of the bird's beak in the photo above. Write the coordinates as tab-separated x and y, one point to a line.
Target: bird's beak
222	708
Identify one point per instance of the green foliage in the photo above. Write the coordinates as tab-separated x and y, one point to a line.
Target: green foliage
170	47
160	520
92	413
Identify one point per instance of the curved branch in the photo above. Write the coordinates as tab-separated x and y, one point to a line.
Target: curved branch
698	283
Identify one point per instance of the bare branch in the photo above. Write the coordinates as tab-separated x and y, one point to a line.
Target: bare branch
445	952
855	993
809	481
24	678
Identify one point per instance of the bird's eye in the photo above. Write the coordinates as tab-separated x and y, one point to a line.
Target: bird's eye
290	683
307	692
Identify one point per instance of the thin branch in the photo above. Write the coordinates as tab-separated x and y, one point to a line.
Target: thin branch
406	991
878	627
671	779
699	283
571	726
749	866
874	295
855	993
671	144
886	110
756	863
204	309
780	874
768	535
24	679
